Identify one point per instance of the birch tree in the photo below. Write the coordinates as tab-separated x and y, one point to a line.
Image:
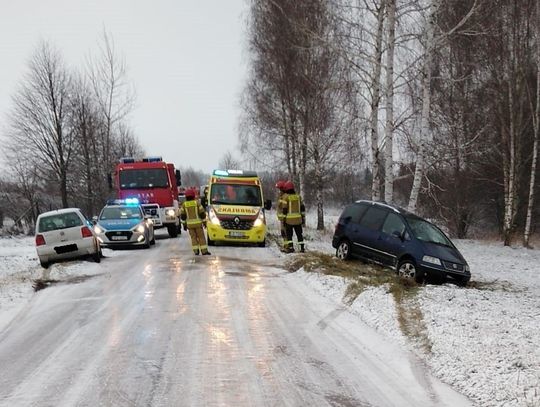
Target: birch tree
536	129
389	128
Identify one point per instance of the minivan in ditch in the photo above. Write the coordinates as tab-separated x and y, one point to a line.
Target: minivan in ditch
393	237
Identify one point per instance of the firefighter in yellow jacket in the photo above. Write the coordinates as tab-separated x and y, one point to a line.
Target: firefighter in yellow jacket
193	215
294	212
281	217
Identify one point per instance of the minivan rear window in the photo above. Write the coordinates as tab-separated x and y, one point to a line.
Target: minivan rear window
354	212
59	221
373	218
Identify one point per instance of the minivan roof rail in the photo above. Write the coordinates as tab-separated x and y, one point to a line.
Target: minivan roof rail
378	203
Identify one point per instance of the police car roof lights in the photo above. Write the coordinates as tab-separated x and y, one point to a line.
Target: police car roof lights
127	202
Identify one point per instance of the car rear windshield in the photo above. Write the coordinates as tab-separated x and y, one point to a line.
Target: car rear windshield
235	194
59	221
122	212
427	232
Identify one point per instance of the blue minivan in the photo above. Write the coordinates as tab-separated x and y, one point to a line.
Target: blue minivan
393	237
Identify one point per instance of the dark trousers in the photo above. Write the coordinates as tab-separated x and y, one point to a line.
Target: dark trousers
298	230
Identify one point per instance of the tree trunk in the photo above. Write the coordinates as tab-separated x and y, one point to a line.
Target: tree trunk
319	192
536	125
389	128
375	99
426	108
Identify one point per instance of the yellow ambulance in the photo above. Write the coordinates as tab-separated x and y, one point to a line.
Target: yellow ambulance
236	206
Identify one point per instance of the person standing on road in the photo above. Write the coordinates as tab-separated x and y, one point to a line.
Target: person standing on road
294	212
281	217
193	217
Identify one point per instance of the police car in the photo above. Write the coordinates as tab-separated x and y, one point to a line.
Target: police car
123	223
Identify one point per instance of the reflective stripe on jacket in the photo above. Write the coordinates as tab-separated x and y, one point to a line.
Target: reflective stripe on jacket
192	213
294	210
280	215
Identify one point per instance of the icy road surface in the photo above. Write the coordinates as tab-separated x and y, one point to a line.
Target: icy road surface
161	327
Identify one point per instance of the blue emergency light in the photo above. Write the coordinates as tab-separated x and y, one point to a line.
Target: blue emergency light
127	201
131	201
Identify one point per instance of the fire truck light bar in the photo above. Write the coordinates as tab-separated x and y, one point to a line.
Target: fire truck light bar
127	160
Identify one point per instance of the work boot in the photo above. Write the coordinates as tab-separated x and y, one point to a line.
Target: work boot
196	252
206	253
302	249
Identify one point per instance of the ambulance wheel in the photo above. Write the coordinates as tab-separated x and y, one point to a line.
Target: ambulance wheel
173	231
262	244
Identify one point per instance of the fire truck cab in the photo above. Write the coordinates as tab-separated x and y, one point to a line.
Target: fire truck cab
236	208
155	184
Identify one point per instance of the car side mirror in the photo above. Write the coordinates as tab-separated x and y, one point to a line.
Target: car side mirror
346	219
268	204
397	234
204	201
178	178
94	219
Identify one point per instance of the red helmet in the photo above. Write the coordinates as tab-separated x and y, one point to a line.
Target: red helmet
288	186
280	184
190	193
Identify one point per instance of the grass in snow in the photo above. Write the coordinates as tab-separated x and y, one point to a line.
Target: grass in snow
362	276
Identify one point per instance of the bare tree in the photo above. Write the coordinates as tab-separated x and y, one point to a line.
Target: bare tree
113	93
40	117
229	162
536	129
389	128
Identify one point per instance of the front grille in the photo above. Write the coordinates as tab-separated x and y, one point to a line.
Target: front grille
237	224
151	210
453	266
111	235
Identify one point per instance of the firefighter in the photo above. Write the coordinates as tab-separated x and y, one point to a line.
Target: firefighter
280	215
294	212
193	217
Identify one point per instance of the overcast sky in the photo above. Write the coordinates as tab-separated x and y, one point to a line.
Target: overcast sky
185	59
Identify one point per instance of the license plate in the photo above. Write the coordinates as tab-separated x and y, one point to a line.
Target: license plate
236	234
119	238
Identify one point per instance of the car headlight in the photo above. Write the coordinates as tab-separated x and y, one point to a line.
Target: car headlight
432	260
98	229
260	219
140	228
170	213
213	217
467	268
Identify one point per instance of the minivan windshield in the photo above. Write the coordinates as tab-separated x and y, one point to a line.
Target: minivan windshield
235	194
426	232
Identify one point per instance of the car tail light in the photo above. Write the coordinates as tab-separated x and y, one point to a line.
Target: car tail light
40	240
86	232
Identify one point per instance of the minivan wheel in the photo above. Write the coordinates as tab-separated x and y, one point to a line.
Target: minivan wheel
407	269
343	251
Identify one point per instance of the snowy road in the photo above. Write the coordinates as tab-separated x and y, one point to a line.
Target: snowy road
161	327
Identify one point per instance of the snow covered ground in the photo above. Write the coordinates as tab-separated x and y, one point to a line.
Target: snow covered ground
484	339
19	268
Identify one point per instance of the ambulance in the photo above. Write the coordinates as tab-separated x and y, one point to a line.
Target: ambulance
236	208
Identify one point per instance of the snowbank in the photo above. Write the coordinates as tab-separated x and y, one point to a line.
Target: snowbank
484	340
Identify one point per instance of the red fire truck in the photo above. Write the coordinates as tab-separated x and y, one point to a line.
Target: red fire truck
155	184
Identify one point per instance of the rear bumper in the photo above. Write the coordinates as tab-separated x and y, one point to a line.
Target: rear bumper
256	234
85	247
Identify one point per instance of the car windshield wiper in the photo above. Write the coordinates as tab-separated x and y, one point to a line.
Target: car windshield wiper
218	202
439	243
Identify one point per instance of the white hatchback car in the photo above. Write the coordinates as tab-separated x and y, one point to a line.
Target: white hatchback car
65	234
